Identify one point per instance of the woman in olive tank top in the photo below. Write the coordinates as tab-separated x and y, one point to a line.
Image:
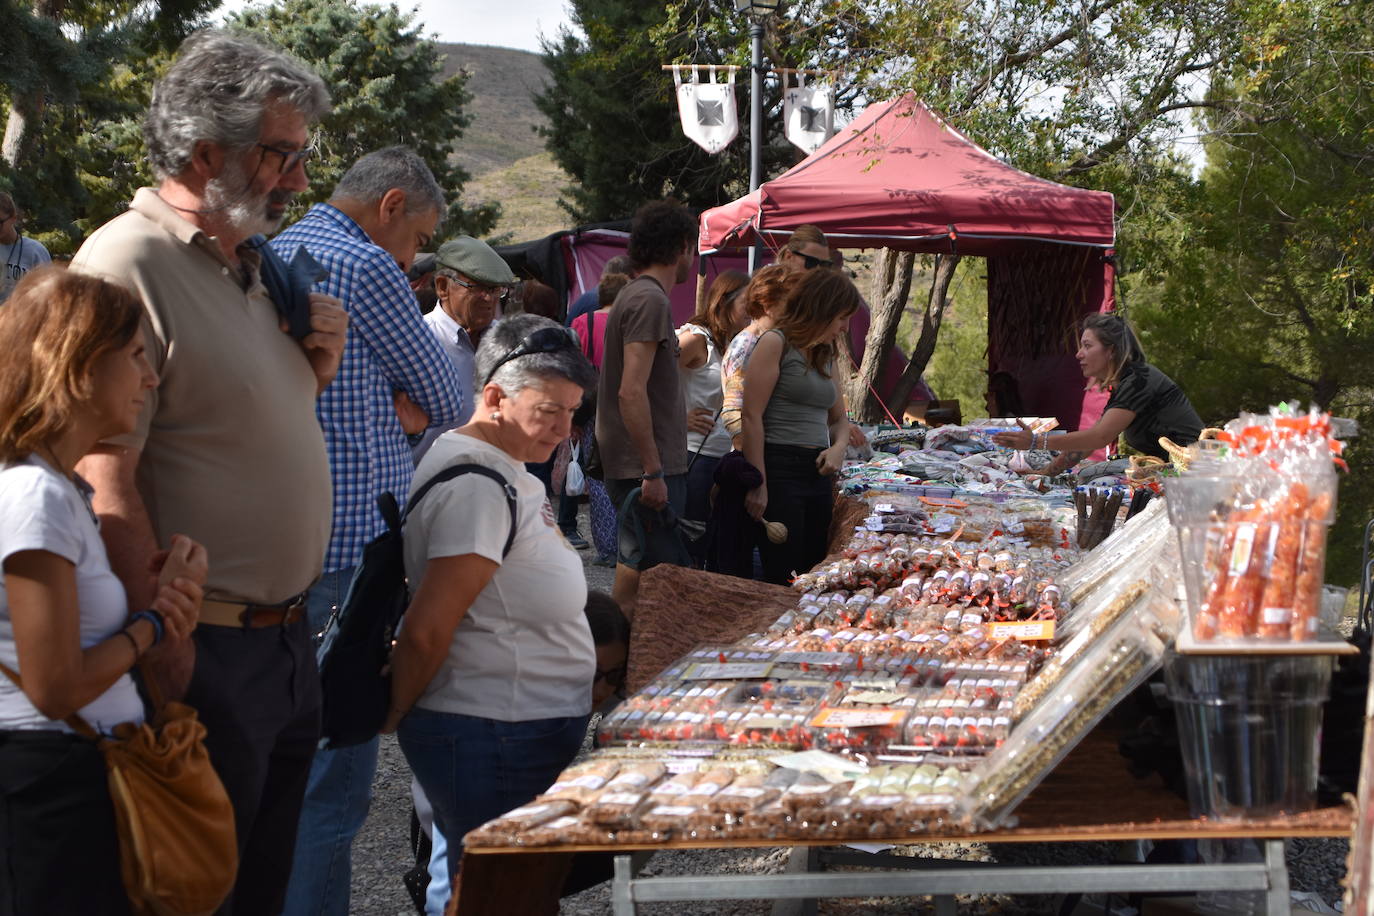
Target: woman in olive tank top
795	428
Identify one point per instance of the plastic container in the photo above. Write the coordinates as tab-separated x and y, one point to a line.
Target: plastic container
1250	730
1097	680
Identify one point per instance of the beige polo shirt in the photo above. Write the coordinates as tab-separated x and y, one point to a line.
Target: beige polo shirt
232	452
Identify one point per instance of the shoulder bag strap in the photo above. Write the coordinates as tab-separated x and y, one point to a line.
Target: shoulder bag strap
77	724
457	470
591	336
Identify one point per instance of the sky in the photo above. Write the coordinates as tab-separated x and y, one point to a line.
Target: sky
505	23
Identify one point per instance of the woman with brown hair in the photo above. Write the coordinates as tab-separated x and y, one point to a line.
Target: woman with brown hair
74	374
795	428
1145	404
702	342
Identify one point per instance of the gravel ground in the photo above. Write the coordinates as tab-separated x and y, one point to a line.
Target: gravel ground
381	853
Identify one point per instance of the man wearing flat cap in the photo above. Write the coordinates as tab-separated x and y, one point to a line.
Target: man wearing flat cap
472	282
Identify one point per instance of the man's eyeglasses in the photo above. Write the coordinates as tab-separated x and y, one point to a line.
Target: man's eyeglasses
544	340
811	263
290	158
500	293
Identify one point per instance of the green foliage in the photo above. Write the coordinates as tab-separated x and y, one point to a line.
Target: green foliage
958	368
386	82
68	70
1262	293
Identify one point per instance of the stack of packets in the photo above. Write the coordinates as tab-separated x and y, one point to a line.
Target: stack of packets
972	519
948	461
1252	522
945	678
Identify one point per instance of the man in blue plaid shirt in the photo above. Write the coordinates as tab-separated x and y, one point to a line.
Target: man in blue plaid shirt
394	379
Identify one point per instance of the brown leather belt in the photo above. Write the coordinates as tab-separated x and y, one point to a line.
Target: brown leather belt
252	616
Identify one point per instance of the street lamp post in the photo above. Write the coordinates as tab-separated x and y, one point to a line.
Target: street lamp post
758	11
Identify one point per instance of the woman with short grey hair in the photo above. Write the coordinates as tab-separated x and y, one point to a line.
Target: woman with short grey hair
493	669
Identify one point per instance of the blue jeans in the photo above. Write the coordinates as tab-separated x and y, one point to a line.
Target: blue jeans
336	797
473	770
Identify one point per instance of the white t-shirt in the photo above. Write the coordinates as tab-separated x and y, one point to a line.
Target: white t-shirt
40	509
523	651
703	390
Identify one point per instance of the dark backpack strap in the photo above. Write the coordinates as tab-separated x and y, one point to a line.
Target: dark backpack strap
457	470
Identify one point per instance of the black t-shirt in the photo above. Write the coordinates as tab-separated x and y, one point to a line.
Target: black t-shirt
1160	407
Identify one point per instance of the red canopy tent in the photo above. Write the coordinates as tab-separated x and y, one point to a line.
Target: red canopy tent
900	177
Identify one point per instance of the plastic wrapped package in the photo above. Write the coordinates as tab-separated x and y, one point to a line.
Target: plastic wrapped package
507	829
580	783
1100	677
1139	605
1253	552
1140	537
625	795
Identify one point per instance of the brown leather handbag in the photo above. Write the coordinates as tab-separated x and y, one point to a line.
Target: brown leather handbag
177	845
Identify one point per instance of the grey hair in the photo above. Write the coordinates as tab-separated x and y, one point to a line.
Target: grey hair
398	167
217	90
532	369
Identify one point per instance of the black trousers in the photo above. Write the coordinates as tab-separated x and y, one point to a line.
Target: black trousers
59	853
804	501
258	694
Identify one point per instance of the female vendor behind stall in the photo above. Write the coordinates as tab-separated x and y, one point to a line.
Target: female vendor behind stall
1145	403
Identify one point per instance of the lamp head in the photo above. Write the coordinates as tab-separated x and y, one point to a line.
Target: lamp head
759	9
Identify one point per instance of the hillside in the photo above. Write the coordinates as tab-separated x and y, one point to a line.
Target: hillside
504	119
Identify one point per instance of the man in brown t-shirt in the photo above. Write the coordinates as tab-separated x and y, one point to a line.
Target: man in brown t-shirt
641	417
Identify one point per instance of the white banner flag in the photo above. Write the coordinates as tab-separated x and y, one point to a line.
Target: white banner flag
709	117
809	113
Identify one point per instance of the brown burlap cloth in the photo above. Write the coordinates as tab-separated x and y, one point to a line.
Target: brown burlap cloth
680	609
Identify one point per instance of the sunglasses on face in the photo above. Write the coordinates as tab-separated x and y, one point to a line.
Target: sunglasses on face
811	263
290	158
500	293
544	340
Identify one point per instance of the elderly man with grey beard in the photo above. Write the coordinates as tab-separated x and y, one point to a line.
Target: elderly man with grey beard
227	448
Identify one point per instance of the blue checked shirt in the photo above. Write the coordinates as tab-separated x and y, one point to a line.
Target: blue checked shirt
389	349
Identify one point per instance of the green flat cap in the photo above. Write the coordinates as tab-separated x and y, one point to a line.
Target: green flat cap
476	259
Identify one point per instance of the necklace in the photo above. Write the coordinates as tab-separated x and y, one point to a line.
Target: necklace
76	482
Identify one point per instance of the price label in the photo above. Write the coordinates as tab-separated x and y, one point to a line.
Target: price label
840	659
857	718
739	671
1024	630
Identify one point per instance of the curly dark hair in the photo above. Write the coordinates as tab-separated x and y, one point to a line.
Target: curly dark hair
659	231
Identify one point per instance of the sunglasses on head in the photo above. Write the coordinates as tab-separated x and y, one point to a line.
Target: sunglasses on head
544	340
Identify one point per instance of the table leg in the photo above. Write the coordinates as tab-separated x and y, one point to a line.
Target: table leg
622	892
1276	900
800	861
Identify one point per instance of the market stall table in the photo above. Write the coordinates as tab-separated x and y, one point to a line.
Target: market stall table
1089	797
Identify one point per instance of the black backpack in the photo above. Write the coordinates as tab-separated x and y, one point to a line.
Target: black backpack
355	649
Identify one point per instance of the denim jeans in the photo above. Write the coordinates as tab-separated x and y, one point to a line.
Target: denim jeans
701	477
473	769
58	849
336	797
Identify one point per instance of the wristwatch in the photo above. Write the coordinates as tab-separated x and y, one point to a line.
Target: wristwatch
656	475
